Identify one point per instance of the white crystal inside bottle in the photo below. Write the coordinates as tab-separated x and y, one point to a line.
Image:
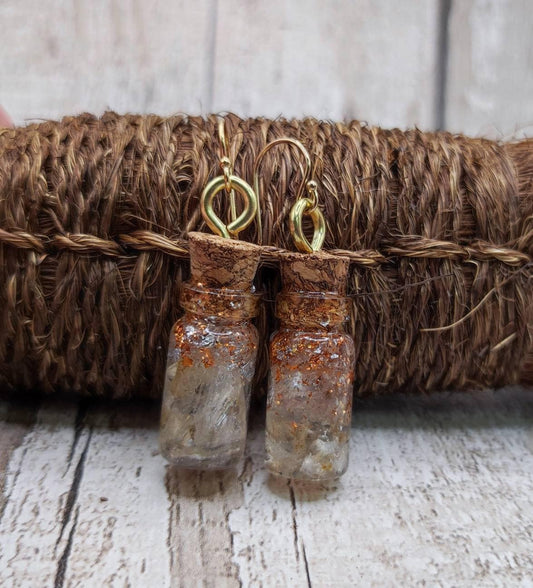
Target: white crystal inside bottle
309	404
207	392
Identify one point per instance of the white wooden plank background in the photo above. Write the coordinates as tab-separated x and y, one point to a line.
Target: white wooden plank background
389	63
67	57
490	68
438	493
369	60
467	65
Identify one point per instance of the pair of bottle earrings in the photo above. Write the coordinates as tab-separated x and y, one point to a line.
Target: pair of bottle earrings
213	347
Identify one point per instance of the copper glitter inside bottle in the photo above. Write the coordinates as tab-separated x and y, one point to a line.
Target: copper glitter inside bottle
211	359
312	370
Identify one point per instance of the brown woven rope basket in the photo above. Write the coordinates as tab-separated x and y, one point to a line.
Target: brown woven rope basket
95	212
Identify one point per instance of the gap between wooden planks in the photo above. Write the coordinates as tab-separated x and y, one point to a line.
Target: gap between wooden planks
438	491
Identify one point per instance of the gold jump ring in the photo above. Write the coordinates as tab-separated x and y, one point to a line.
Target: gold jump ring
237	225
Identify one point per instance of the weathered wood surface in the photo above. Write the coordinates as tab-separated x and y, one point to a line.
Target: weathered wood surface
438	493
370	60
374	61
466	64
72	57
490	68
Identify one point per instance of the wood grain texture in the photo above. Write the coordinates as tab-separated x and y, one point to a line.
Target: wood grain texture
368	60
41	488
17	420
374	61
490	68
377	61
438	493
121	512
136	55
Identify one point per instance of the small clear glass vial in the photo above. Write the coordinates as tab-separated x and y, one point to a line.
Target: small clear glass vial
309	404
211	358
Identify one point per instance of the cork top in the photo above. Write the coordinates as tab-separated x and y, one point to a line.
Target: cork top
222	263
314	272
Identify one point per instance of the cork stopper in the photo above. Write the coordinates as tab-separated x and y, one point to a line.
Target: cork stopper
314	272
222	263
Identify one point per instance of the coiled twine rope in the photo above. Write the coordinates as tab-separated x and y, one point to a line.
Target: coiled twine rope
94	214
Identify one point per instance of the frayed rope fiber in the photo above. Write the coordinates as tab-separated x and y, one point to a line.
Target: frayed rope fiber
94	214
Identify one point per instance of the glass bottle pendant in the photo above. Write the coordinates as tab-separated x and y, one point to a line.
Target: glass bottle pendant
311	370
211	358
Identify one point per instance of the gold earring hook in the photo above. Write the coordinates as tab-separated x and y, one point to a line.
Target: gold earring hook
228	182
304	206
227	168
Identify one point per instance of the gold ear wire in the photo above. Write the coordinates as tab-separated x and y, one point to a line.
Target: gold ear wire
227	168
228	182
304	205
